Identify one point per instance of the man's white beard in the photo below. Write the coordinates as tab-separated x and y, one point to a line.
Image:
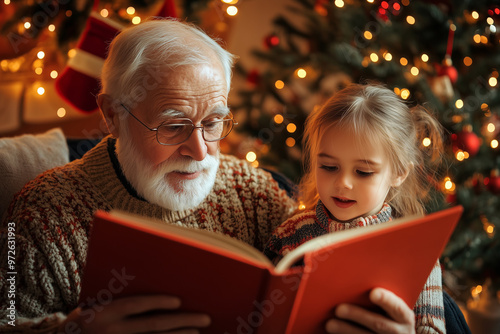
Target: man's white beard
152	183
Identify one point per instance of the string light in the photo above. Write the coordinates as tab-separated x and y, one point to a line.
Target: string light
368	35
476	291
414	71
467	61
425	58
339	3
130	10
278	119
38	70
291	127
40	90
61	112
51	27
302	206
230	2
475	15
459	104
477	38
40	55
27	25
426	142
251	156
374	57
104	13
136	20
491	127
410	19
232	10
71	53
492	81
290	142
448	184
301	73
460	155
405	93
387	56
54	74
403	61
7	2
279	84
405	2
490	21
494	144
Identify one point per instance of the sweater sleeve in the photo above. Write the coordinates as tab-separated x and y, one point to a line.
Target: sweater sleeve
46	229
429	309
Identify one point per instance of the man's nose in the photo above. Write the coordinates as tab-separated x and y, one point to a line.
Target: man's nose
195	147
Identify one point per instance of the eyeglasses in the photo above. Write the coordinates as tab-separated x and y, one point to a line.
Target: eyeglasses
177	131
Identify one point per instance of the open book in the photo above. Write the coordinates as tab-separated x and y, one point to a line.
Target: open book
241	290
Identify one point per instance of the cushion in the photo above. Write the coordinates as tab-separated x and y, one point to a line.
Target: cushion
24	157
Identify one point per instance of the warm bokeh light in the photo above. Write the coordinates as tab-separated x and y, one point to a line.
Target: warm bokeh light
460	155
467	61
405	93
414	71
301	73
476	291
71	53
403	61
251	156
368	35
490	21
53	74
490	127
40	90
477	38
475	15
459	104
339	3
61	112
387	56
136	20
27	25
290	142
492	81
291	128
130	10
278	119
426	142
279	84
410	19
374	57
40	55
232	10
494	143
51	28
104	13
425	58
38	70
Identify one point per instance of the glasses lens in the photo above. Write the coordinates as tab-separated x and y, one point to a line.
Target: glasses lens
175	132
216	130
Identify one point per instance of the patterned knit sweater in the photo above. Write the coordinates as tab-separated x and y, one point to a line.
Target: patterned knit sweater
429	309
52	217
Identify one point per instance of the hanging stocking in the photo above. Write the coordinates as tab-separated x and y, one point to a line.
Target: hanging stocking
79	83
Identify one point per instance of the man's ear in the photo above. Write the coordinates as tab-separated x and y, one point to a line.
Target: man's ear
111	117
398	180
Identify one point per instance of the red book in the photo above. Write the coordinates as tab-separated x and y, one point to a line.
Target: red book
241	290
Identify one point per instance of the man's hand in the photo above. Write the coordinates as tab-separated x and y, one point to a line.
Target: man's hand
400	318
140	314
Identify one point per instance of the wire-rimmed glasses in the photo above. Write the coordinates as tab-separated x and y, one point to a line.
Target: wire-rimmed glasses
178	130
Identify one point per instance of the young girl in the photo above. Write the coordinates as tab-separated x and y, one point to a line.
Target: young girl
365	164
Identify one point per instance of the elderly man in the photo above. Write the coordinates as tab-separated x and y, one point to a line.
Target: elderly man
164	99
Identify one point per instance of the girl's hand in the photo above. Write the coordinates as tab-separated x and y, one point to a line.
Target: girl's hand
140	314
400	318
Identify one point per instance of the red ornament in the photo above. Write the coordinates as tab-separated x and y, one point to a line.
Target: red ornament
271	41
467	141
451	198
450	71
253	77
494	182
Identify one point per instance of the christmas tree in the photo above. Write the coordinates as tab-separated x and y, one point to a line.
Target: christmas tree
443	54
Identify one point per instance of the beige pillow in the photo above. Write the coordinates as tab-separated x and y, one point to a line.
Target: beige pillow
24	157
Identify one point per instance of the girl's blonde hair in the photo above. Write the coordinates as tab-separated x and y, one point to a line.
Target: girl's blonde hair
377	115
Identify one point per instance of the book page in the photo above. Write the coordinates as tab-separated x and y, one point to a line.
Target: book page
203	236
330	239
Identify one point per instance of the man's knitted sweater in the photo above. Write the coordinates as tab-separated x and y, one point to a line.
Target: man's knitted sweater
52	219
429	309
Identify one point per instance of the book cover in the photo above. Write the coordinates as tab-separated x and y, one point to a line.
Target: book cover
241	290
